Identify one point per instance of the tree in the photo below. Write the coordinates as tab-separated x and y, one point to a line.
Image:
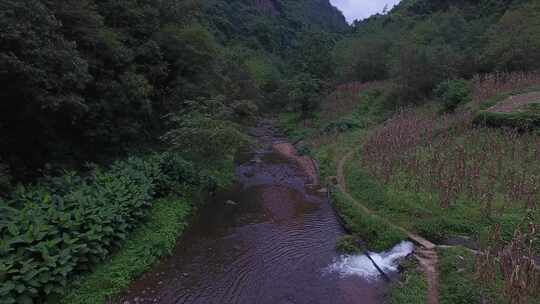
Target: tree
514	42
364	59
305	94
203	130
43	77
313	54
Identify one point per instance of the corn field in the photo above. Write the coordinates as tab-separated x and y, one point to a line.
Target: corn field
448	156
490	85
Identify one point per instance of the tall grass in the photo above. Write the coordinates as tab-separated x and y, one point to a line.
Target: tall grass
513	263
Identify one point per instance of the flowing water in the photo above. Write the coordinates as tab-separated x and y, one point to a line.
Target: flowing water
268	240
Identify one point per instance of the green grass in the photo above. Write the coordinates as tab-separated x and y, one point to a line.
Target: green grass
457	279
420	212
152	240
412	287
377	234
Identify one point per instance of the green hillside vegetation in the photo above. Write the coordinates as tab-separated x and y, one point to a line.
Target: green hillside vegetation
118	118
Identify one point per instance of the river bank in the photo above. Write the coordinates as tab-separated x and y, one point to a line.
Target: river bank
426	171
270	239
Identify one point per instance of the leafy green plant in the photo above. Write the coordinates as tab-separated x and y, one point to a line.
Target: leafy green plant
205	136
166	221
63	226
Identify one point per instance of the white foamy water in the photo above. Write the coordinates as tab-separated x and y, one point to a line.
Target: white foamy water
361	265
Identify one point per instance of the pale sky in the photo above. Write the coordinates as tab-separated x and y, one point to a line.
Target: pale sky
360	9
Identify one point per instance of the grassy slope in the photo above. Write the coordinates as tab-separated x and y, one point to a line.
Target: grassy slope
420	211
155	238
378	235
417	211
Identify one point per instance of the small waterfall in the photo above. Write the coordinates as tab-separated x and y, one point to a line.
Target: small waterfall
360	265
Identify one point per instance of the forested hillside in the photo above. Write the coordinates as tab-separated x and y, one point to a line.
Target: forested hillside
421	43
118	119
119	113
87	80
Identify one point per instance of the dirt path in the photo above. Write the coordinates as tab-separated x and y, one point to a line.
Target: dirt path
426	253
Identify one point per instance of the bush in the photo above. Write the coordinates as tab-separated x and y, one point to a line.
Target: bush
64	226
340	126
244	109
452	93
348	244
157	237
205	136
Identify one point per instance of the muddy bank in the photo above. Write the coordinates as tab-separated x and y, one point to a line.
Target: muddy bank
305	163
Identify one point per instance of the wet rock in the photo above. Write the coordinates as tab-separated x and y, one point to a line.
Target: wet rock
185	274
237	247
249	174
231	203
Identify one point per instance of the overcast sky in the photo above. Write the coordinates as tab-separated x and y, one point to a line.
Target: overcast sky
360	9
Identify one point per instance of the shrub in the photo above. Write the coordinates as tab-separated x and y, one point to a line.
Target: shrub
340	126
65	225
452	93
205	136
348	244
244	109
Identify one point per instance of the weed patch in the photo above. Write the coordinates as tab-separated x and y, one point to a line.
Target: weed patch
157	237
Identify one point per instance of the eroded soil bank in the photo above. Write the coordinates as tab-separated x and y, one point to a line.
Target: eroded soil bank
271	239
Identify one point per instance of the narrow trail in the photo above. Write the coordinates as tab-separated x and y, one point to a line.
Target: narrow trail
426	254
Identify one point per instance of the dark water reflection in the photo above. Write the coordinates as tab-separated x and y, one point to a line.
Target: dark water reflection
272	246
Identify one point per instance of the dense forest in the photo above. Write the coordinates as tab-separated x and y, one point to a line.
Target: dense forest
86	80
110	106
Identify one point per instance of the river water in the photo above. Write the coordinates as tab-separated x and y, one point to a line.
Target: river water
270	239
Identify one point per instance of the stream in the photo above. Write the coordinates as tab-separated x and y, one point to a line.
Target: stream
270	239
